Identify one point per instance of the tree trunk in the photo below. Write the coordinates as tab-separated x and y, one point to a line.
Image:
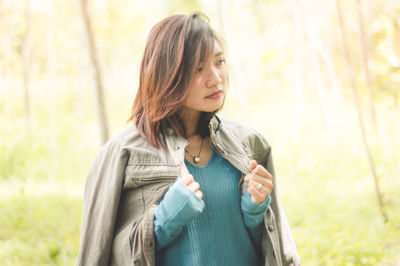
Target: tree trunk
101	108
25	53
352	81
299	66
396	42
364	49
52	70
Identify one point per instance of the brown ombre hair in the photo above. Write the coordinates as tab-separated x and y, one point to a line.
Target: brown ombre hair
175	48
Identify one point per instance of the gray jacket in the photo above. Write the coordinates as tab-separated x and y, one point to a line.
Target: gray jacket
129	176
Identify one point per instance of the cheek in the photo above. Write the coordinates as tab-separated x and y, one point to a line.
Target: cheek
193	99
194	93
225	76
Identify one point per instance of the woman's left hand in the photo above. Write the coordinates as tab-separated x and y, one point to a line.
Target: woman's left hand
259	182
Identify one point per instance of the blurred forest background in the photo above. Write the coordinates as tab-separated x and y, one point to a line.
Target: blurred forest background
320	78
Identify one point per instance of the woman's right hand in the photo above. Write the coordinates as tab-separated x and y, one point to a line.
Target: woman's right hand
188	181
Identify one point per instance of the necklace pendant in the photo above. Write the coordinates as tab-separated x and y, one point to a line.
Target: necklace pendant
196	159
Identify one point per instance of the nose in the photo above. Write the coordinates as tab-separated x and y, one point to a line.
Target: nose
215	76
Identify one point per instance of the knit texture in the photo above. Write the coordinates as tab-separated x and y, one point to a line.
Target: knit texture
224	229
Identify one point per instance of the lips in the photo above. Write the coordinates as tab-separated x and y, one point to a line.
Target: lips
215	94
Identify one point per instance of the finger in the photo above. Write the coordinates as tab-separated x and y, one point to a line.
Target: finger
260	170
261	176
264	181
253	183
252	165
199	194
248	177
265	187
194	186
187	179
256	196
183	169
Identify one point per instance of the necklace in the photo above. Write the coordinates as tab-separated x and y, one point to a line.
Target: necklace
196	159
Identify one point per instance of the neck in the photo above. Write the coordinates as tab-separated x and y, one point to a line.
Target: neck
190	119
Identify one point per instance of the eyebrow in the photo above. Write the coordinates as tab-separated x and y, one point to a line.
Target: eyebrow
218	54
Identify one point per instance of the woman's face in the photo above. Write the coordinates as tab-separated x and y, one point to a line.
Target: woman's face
206	91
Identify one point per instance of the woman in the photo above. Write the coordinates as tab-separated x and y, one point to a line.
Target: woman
182	186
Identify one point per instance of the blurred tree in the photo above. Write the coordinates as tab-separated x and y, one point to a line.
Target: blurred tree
299	64
52	69
26	64
101	108
365	59
352	81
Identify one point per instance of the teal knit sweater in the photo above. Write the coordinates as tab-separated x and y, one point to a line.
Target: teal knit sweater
223	229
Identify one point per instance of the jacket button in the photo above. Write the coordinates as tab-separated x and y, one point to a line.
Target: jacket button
177	148
136	262
270	228
151	244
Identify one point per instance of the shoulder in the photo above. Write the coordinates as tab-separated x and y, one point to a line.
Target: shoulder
123	136
130	145
123	142
128	138
248	136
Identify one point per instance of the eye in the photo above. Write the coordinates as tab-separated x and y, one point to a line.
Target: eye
221	61
199	69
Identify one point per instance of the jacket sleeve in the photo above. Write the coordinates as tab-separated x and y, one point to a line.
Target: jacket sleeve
100	204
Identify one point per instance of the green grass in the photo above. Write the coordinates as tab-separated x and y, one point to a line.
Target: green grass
39	230
324	179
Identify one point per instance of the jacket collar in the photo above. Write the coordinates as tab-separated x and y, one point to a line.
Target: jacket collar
215	123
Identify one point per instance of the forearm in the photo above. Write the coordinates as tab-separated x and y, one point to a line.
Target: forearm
177	209
253	213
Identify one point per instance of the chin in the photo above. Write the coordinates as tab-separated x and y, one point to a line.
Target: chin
213	109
